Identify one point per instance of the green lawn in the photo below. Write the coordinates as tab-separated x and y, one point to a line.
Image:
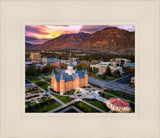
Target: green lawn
99	105
49	107
45	86
62	98
71	92
85	108
107	96
33	78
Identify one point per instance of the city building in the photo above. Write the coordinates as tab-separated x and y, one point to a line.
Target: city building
114	68
74	61
105	63
133	80
103	66
49	59
69	79
118	105
35	57
119	61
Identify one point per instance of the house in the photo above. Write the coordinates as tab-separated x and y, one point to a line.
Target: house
68	79
49	59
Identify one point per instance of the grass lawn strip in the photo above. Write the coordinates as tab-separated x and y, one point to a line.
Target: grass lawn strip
46	108
99	105
85	108
62	98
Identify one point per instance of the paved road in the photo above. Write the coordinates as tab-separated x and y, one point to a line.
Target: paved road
124	80
113	85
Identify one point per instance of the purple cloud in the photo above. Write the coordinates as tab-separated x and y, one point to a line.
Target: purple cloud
35	29
94	28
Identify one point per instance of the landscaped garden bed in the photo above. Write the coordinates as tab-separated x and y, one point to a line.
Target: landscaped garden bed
44	106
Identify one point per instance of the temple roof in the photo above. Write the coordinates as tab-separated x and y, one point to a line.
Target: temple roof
68	77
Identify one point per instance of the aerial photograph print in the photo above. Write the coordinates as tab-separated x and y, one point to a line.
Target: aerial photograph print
79	68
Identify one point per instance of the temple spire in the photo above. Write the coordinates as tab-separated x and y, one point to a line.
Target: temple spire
62	76
86	73
53	72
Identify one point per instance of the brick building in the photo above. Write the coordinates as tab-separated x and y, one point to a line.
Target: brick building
69	79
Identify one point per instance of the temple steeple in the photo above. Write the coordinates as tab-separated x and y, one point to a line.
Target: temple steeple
86	73
53	72
62	76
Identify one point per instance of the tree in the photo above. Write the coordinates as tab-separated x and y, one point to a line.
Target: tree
116	74
130	70
47	69
32	71
108	72
95	70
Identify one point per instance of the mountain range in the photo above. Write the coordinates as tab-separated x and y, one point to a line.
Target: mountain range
111	40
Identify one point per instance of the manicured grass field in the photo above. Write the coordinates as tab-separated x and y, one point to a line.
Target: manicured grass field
49	107
99	105
85	108
108	96
45	86
33	78
62	98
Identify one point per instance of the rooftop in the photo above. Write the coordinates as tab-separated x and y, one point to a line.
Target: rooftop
130	64
118	102
68	77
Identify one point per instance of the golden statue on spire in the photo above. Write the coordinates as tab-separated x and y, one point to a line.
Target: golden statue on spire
70	55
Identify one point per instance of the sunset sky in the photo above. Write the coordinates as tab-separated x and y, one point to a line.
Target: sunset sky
37	34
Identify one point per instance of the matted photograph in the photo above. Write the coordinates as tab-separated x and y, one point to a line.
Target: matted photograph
79	69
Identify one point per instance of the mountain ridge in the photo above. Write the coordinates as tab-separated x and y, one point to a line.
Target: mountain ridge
111	39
